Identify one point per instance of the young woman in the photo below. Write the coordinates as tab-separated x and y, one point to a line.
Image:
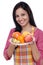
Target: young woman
24	21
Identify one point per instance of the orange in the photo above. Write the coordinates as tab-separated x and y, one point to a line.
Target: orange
21	39
16	34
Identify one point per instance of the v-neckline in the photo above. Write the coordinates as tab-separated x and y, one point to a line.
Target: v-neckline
32	30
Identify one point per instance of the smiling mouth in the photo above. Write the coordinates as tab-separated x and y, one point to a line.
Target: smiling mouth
21	22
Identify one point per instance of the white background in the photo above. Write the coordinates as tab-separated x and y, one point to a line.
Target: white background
6	21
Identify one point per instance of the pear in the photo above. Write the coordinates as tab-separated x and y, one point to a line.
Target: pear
25	33
15	40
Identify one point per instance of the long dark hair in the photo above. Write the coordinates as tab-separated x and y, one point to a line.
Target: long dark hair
26	7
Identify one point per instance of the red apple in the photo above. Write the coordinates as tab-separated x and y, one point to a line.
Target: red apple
28	38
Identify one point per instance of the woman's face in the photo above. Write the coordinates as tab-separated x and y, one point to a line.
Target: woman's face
22	17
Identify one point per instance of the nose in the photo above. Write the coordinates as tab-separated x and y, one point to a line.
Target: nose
20	18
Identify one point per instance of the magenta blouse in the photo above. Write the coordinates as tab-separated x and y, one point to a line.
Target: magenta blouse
38	34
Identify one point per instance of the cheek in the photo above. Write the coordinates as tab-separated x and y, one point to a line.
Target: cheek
16	19
27	18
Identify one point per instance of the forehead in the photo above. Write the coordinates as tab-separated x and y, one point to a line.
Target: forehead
20	10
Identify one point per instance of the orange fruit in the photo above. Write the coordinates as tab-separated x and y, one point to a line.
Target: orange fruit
21	39
16	34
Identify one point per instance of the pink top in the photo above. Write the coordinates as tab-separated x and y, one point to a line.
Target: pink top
38	34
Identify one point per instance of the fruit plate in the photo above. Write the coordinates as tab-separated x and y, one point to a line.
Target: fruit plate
15	43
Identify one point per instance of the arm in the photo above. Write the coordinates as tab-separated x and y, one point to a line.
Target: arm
35	52
37	49
9	48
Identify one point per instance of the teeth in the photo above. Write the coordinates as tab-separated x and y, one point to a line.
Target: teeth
21	21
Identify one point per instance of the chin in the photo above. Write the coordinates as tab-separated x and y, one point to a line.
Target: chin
23	25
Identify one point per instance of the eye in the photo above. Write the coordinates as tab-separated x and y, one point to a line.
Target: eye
17	15
22	14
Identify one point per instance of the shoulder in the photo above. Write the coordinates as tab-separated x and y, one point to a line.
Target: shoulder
38	34
38	31
39	38
12	29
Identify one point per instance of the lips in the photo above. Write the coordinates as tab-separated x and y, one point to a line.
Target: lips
21	22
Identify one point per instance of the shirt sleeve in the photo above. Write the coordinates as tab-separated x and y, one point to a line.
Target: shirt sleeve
40	46
7	45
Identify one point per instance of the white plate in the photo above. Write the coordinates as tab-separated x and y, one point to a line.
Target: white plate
19	43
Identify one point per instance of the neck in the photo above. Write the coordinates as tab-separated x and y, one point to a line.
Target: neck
27	27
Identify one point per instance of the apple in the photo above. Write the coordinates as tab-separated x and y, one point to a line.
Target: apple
28	38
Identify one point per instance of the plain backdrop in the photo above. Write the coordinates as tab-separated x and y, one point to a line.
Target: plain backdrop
6	21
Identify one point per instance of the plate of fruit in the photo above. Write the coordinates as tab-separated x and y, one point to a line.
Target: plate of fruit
21	38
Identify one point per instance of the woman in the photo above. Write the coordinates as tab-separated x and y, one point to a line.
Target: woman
24	21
